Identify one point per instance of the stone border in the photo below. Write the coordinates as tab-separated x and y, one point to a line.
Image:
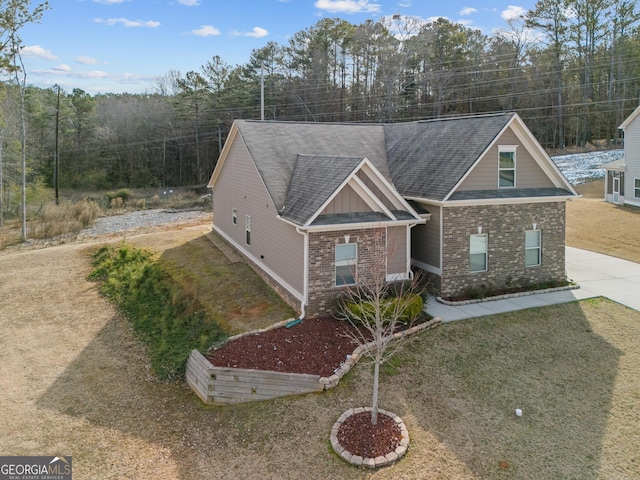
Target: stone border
332	381
377	462
506	296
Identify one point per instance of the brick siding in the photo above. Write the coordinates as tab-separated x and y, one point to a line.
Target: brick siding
371	257
505	227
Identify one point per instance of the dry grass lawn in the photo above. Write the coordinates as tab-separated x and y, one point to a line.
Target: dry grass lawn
593	224
76	382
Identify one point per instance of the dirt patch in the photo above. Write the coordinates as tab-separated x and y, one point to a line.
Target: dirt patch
359	437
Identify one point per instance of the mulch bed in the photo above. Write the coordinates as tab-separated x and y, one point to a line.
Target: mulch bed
359	437
316	346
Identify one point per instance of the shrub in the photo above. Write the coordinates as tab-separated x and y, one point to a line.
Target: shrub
171	321
117	199
55	220
411	305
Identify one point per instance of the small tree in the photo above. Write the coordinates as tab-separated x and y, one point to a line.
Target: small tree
378	308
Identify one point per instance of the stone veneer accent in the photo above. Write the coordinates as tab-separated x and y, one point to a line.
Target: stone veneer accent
505	227
322	290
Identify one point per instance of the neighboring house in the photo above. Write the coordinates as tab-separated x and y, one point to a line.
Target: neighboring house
472	201
622	182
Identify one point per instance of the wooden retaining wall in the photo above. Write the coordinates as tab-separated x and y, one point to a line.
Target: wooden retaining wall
227	385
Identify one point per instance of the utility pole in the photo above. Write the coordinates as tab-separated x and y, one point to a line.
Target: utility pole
262	91
56	166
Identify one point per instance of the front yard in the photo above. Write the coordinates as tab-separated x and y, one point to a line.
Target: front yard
76	381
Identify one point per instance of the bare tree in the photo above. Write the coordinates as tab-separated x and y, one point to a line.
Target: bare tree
378	308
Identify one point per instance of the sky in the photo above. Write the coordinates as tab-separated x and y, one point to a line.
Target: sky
118	46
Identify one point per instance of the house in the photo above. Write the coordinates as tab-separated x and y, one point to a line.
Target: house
471	201
622	181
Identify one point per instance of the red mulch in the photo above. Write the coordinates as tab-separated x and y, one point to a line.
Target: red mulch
359	437
317	346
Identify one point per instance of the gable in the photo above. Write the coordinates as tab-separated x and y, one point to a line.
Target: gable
427	159
347	186
484	175
538	177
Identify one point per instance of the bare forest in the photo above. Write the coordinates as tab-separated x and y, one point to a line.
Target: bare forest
570	68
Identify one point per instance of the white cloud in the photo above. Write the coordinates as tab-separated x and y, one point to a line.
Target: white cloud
347	6
189	3
468	11
257	32
37	51
110	22
63	67
512	12
87	60
206	31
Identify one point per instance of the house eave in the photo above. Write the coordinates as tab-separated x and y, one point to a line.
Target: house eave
495	201
355	226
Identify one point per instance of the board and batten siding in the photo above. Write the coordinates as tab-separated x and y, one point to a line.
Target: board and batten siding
275	245
485	174
397	250
346	201
632	160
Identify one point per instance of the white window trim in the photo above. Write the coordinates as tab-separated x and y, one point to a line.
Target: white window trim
341	263
486	252
508	149
538	248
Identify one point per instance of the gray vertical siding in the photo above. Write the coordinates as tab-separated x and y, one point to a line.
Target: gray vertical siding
485	174
275	245
346	201
425	239
632	160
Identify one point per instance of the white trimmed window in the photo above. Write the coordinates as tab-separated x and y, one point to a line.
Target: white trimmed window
507	166
234	216
346	259
247	228
532	248
478	252
636	189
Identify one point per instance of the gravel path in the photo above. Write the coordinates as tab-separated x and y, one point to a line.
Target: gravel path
141	219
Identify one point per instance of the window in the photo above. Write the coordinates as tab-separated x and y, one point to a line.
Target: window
247	228
506	166
532	250
346	256
234	216
637	188
478	253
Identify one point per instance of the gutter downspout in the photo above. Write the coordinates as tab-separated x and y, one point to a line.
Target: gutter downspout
306	271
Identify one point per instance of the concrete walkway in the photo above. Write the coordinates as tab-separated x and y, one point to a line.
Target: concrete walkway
597	274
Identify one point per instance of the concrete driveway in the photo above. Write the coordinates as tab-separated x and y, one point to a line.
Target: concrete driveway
597	274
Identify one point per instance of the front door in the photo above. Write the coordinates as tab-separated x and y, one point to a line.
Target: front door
616	190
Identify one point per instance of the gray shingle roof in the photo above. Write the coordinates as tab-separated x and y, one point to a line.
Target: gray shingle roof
302	164
314	180
427	159
275	146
